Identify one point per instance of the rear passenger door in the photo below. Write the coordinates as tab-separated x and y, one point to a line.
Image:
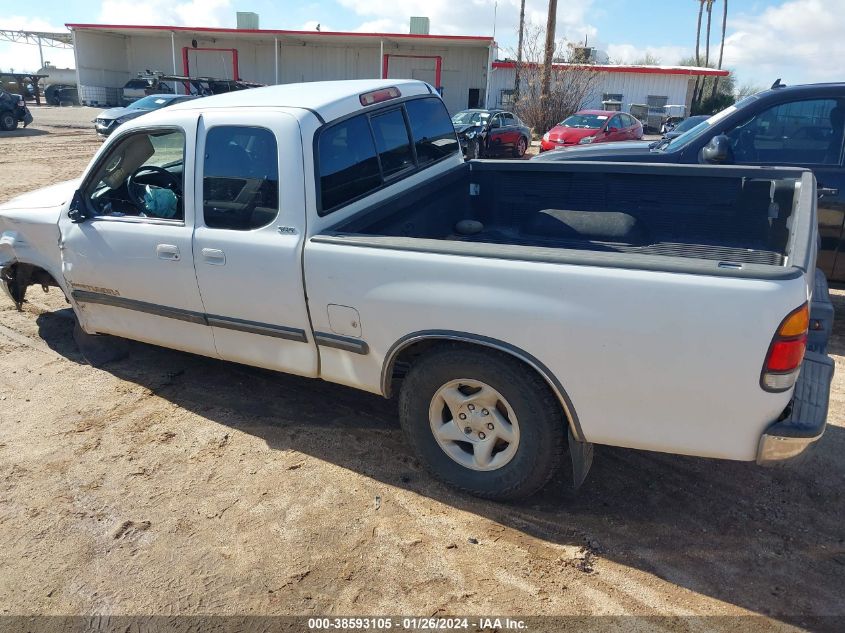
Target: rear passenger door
616	129
497	138
248	240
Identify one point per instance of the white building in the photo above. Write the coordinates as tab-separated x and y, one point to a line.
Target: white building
619	87
108	56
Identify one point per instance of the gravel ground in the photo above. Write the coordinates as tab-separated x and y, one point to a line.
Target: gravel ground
174	484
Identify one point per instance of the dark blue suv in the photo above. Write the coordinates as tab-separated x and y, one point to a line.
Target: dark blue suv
798	126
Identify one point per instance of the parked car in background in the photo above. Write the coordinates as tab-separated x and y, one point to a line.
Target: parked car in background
592	126
109	120
488	133
61	94
798	126
13	110
141	87
673	130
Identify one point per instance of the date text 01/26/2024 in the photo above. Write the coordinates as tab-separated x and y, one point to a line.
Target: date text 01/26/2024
416	624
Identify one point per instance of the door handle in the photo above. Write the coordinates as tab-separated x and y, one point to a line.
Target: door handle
167	251
214	256
827	191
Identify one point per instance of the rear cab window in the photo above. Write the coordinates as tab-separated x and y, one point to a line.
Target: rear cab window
368	151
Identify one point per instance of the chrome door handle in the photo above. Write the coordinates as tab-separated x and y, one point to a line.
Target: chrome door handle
214	256
827	191
167	251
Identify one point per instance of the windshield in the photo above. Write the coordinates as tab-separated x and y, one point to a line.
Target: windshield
585	121
468	116
688	124
149	103
702	128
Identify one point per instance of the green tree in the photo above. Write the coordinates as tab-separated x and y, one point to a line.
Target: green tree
718	100
647	60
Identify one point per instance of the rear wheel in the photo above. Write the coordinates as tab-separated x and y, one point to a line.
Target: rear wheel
482	422
8	122
521	147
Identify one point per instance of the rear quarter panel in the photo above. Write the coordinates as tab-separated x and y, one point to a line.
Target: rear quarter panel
660	361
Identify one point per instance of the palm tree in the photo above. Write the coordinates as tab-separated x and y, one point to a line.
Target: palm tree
721	47
519	52
698	46
700	94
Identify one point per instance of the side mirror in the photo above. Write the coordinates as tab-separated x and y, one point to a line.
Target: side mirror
77	211
718	151
611	130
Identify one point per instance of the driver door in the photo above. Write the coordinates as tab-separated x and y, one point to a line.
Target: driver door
129	261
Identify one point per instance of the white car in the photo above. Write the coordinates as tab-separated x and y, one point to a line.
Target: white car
519	309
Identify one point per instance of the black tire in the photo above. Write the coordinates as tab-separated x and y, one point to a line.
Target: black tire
8	122
542	426
521	147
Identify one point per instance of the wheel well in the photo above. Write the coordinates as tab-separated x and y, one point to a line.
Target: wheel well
18	277
399	362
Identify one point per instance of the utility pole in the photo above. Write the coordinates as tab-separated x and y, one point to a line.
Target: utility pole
519	52
548	58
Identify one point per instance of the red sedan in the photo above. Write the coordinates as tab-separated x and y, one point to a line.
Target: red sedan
592	126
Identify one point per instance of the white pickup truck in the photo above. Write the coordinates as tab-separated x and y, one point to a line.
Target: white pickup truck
333	230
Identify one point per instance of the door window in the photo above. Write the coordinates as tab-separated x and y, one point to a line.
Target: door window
797	133
141	177
240	185
615	122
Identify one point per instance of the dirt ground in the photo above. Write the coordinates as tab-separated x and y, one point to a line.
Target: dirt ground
167	483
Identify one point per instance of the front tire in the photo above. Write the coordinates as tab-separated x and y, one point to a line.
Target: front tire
482	422
8	122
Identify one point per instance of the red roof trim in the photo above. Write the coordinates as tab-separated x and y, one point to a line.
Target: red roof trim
653	70
206	29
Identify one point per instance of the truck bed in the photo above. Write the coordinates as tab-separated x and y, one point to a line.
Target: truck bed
737	217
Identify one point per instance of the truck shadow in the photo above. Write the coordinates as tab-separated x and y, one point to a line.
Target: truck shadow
768	540
23	132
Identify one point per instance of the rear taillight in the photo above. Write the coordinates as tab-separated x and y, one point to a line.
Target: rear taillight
786	353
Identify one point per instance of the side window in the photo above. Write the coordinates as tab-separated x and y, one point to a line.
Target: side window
240	184
348	164
627	121
797	133
432	130
616	122
142	176
392	142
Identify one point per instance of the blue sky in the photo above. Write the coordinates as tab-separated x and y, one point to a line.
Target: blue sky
799	40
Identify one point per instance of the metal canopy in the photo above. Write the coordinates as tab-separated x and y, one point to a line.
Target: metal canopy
43	38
